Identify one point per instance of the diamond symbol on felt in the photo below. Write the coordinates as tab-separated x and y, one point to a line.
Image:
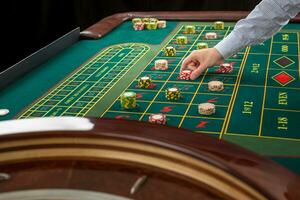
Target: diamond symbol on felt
283	78
284	61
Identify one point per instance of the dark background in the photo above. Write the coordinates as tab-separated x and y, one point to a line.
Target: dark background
27	26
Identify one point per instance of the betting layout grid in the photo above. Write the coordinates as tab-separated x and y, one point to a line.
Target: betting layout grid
279	55
182	113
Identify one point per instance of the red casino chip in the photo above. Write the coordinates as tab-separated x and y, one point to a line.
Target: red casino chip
138	26
185	74
158	118
225	68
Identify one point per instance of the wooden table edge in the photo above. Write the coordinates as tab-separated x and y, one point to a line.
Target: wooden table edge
107	24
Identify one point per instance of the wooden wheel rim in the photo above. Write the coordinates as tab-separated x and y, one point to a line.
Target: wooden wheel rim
118	150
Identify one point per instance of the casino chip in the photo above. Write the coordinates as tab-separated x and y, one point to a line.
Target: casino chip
144	82
128	100
181	40
211	35
138	26
173	93
190	29
225	68
158	118
219	25
206	108
185	74
4	112
152	25
215	86
161	24
202	45
161	64
170	51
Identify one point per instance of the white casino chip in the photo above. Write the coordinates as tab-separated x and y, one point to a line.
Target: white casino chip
4	112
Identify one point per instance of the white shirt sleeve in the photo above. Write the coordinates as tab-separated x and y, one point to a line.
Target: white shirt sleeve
268	17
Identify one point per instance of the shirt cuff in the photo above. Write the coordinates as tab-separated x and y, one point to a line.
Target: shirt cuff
229	45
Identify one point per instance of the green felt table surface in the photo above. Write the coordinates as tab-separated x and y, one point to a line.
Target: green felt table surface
258	109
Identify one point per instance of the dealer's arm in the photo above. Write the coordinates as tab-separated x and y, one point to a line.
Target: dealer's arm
268	17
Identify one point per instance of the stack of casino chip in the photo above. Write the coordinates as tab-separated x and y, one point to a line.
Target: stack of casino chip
202	45
158	118
152	25
161	64
173	93
185	74
215	86
144	82
161	24
128	100
206	108
225	68
170	51
219	25
189	29
148	23
181	40
138	26
211	35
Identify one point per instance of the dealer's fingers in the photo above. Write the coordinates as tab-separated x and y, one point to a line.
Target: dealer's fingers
185	62
197	72
190	58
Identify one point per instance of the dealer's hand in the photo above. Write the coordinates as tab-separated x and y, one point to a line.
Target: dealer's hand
201	60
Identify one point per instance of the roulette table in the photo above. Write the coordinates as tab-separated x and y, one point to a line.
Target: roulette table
83	74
